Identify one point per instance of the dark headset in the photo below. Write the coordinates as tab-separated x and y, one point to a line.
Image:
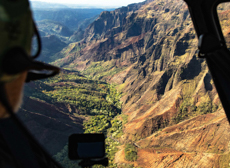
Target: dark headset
16	60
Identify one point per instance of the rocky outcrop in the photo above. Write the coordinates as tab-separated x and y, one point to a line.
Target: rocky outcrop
109	21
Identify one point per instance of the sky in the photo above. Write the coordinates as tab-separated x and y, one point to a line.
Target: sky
112	3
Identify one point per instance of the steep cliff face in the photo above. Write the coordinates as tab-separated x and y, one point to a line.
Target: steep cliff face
175	118
110	20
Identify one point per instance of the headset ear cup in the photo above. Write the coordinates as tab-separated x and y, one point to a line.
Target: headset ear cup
39	71
31	76
17	61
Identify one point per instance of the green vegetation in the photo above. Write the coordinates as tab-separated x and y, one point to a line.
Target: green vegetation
97	124
98	70
124	118
116	130
111	149
112	128
188	110
130	152
225	161
91	97
62	157
98	101
101	124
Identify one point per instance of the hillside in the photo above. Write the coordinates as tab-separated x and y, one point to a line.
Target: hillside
51	122
72	18
67	104
175	118
59	25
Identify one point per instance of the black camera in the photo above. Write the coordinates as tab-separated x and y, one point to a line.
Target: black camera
90	148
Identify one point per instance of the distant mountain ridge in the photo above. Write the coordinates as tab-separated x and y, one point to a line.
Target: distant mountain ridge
60	26
67	16
42	5
46	5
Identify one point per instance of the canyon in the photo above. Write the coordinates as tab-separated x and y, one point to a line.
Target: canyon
148	51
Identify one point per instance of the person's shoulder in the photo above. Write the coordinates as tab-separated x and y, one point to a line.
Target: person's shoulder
6	158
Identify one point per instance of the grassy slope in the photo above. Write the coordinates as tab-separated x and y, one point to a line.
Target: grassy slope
97	101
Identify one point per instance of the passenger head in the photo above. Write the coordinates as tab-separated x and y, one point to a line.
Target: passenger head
17	65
